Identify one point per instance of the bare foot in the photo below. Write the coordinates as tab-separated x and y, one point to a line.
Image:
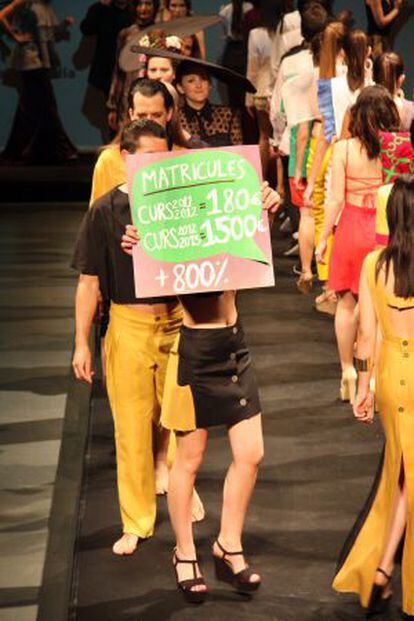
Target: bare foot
126	545
197	508
162	477
237	562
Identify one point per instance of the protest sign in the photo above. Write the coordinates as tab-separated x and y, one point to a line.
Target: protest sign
200	221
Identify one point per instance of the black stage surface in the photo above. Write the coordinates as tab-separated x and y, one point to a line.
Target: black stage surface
317	473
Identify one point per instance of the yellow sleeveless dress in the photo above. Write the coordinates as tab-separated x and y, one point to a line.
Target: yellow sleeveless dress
395	401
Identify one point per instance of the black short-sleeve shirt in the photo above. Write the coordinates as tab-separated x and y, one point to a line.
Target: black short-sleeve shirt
98	250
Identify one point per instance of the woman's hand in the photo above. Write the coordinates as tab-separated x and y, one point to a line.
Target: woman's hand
300	183
22	37
129	239
307	196
112	120
270	198
320	251
364	407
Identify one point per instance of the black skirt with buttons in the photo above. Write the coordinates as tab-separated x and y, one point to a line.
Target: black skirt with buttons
215	364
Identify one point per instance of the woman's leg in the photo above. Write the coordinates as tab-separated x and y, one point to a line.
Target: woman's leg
346	326
265	130
188	458
161	443
395	532
246	440
306	240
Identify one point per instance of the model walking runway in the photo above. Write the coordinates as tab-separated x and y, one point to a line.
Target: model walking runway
317	468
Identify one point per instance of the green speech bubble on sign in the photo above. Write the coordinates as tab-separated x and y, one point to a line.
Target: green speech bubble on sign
197	205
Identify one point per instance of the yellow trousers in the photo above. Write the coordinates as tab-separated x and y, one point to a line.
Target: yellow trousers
137	350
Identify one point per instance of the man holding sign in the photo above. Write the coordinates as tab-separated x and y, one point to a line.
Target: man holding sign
201	213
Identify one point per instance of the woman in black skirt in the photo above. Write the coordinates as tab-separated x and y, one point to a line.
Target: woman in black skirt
210	381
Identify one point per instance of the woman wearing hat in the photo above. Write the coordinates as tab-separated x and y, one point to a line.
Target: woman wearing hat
214	124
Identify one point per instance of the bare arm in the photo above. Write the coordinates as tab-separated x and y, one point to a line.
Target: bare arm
367	337
345	133
378	13
86	302
301	142
321	147
253	65
337	201
5	15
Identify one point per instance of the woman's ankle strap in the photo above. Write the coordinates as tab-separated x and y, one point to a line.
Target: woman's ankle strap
384	573
225	552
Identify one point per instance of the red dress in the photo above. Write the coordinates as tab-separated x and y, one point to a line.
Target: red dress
354	236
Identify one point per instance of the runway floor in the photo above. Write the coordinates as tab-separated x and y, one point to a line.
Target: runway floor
317	473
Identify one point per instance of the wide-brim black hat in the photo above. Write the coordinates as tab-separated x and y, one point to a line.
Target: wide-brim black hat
183	26
129	60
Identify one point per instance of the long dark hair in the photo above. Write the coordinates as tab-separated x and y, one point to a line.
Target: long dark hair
237	20
373	112
272	13
400	249
356	50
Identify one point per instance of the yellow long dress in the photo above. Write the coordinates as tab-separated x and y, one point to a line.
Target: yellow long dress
395	401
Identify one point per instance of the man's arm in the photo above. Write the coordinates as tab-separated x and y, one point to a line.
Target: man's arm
86	302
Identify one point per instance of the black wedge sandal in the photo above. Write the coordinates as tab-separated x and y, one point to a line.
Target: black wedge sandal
186	586
224	572
377	602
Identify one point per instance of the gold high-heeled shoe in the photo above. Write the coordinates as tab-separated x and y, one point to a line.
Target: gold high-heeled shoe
348	384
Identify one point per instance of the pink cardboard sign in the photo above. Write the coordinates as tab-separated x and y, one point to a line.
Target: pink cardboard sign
200	221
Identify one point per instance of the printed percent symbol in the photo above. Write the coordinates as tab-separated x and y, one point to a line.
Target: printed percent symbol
221	271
